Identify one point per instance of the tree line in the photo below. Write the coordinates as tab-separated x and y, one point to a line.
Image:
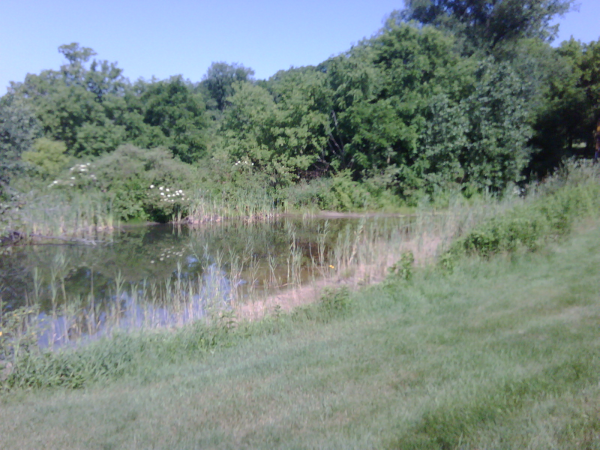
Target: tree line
449	94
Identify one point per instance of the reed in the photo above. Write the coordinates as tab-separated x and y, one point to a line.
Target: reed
85	215
250	205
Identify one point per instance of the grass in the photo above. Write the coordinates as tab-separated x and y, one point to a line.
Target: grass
57	214
500	353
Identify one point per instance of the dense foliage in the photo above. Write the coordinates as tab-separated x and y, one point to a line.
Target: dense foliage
449	95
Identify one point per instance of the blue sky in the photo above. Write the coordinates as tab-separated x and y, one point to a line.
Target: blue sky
159	38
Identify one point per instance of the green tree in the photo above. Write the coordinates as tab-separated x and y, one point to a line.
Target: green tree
18	130
499	131
218	83
571	106
80	104
171	107
47	156
302	128
489	23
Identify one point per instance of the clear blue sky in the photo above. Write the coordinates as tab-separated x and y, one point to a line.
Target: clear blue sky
160	38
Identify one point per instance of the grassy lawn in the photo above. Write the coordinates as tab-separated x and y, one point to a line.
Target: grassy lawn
500	354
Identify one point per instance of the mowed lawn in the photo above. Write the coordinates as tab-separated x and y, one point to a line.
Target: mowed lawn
500	354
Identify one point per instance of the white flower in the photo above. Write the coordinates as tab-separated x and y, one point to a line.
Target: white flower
160	188
167	189
162	193
151	186
72	178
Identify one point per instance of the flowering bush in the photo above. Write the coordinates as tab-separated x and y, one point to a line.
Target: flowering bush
141	184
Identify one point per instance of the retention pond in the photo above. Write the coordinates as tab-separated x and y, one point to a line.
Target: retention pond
168	275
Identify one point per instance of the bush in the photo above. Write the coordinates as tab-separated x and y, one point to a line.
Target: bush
140	184
333	303
403	269
48	157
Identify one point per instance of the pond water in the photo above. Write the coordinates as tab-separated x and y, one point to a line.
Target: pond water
162	275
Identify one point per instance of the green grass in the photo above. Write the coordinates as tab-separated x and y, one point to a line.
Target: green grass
500	354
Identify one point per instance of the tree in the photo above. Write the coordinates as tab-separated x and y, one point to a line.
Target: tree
18	130
80	105
382	92
177	114
303	101
499	128
47	156
219	81
567	117
489	23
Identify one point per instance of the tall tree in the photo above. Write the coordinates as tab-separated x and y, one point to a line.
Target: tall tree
489	23
219	81
567	117
172	107
79	104
18	130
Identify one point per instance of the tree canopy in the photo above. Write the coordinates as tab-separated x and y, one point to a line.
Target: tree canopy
449	94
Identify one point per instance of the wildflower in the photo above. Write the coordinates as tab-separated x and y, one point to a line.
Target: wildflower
331	267
162	193
151	262
160	188
72	178
151	186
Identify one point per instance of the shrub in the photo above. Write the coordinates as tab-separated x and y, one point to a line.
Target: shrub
48	157
404	268
142	184
333	303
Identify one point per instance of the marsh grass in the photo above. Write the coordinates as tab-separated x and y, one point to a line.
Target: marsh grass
250	205
56	214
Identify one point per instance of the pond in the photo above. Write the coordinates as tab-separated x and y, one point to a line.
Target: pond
164	275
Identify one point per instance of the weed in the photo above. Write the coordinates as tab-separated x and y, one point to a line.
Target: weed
333	303
403	269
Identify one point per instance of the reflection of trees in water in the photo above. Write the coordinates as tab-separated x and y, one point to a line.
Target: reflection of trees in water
157	254
163	275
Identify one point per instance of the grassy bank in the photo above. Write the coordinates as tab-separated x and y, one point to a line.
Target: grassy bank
500	353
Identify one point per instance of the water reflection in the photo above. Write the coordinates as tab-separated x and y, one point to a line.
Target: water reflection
166	275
